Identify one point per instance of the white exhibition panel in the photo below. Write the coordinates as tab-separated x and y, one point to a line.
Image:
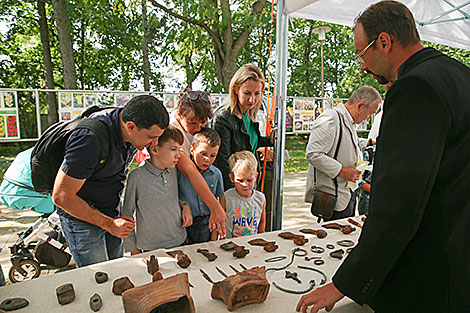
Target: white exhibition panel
41	295
449	29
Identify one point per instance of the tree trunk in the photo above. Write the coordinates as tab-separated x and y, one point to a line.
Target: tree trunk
65	43
52	116
81	67
145	48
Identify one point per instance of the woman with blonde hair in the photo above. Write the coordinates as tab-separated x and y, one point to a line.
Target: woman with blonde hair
236	122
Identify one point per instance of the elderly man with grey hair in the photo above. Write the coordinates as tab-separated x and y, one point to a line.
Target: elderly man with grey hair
334	149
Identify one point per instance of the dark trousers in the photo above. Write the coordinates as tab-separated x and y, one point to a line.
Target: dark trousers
199	231
348	211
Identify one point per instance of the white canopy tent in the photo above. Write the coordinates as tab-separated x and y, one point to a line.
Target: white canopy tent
440	21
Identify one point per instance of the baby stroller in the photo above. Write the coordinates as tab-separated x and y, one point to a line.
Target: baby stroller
30	254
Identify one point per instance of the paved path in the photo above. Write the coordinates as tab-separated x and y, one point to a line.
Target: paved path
295	213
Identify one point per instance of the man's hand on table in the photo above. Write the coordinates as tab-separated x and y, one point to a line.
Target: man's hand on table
323	297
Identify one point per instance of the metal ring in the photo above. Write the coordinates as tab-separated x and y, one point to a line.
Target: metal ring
318	262
323	281
297	292
345	243
299	252
316	249
276	258
330	246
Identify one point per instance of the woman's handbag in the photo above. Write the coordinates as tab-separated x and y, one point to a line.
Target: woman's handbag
323	204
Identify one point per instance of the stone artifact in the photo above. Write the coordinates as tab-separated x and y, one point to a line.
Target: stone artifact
95	302
12	304
157	276
122	284
287	235
246	287
320	233
345	229
350	220
152	265
168	295
240	252
209	255
271	246
300	240
230	245
258	242
101	277
182	259
337	254
65	293
293	276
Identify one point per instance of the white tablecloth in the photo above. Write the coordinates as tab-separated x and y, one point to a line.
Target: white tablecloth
41	294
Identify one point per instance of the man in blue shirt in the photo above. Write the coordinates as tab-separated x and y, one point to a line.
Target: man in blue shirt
90	203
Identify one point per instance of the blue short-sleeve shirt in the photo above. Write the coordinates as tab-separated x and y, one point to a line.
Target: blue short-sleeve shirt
102	190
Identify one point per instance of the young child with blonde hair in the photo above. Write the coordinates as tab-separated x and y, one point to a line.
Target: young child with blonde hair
244	206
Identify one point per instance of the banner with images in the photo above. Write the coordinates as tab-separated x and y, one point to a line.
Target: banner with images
170	101
9	115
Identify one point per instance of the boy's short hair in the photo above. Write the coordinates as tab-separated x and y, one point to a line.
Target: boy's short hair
206	135
243	160
171	132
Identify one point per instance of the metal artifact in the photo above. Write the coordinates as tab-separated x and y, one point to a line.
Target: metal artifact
65	293
312	258
345	229
297	292
295	252
230	245
300	240
12	304
363	218
122	284
319	262
337	254
96	302
275	259
345	243
350	220
317	249
320	233
240	252
258	242
152	265
293	276
167	295
182	259
323	281
209	255
271	246
330	246
287	235
243	288
101	277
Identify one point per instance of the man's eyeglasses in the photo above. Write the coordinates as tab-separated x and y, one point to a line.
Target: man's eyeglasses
194	95
360	54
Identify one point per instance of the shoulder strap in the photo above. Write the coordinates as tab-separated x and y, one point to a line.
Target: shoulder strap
337	149
101	130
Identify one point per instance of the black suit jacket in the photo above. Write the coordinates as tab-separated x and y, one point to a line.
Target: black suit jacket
414	251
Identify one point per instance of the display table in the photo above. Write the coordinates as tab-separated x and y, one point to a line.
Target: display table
41	292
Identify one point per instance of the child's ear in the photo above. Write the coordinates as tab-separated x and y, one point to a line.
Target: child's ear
154	148
230	175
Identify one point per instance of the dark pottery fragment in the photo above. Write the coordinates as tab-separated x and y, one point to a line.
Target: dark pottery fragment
337	254
157	276
209	255
152	265
65	293
122	284
240	252
101	277
182	259
271	246
95	302
230	245
12	304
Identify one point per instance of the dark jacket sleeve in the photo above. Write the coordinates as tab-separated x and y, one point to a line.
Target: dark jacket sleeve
225	129
405	170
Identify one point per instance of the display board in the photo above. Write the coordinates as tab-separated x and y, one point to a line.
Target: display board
9	115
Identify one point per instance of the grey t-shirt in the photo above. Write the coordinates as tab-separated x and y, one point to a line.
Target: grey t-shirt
152	198
243	214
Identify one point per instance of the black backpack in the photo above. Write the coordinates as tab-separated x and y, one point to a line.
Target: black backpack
48	153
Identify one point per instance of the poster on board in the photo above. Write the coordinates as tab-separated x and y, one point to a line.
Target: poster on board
9	128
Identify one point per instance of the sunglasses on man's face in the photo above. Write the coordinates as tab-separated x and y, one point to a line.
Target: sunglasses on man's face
194	95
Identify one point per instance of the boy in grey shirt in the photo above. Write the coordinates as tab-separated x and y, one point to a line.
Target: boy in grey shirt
152	196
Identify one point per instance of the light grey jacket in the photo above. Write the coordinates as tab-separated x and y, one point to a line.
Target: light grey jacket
320	151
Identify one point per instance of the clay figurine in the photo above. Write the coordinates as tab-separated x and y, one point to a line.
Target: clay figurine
12	304
230	245
65	294
167	295
240	252
182	259
157	276
209	255
101	277
122	284
271	246
320	233
152	265
96	302
246	287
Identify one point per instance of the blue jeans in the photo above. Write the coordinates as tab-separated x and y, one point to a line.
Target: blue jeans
90	244
199	231
348	211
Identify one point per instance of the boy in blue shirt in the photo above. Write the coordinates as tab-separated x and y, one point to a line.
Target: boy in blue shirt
203	151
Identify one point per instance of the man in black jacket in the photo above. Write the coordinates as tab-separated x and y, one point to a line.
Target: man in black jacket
413	254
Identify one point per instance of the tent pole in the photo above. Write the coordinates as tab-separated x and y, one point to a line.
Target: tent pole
280	117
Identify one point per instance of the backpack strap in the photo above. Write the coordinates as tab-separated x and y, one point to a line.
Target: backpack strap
101	130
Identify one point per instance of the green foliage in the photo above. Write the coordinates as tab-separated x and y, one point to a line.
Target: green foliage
295	145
